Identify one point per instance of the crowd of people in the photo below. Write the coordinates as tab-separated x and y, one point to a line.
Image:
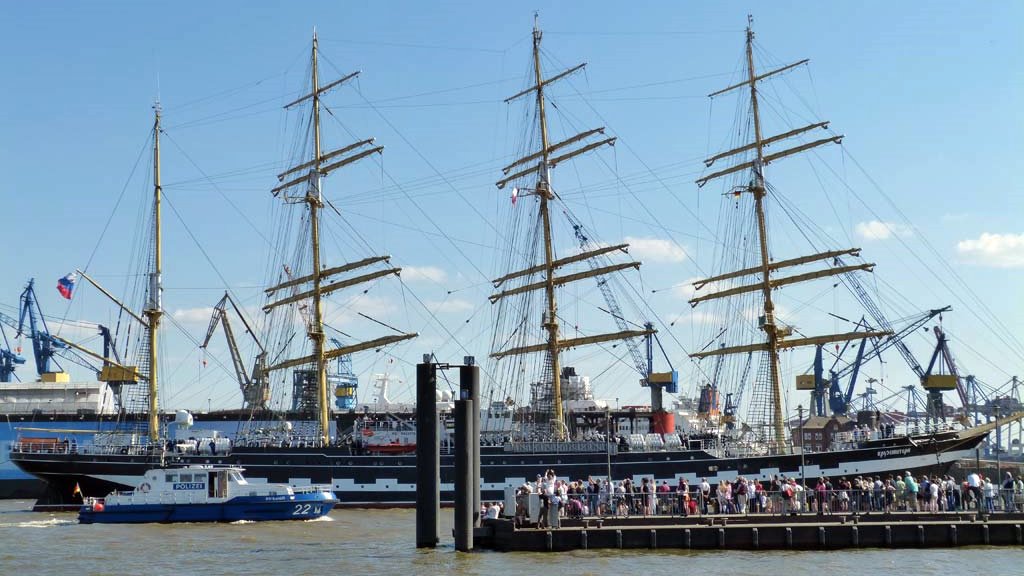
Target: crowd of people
779	495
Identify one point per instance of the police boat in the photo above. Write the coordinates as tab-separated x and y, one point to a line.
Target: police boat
207	494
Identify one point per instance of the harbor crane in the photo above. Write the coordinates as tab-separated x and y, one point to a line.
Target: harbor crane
644	363
9	357
840	399
255	386
44	346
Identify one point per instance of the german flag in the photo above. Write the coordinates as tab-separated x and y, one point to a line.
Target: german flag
77	491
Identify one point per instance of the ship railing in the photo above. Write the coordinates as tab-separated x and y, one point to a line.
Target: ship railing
565	447
260	441
854	437
312	488
535	508
68	447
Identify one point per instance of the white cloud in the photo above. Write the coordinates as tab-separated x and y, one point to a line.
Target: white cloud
655	249
450	306
955	216
875	230
73	332
430	273
994	250
193	315
341	313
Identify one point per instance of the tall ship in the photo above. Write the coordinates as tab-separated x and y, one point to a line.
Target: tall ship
561	427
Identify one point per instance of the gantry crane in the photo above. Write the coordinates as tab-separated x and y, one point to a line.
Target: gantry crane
255	386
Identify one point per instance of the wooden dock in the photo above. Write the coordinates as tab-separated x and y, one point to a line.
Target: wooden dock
759	532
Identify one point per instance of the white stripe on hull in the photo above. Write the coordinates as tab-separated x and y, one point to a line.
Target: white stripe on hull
391	485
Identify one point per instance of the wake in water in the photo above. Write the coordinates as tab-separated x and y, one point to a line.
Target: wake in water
243	522
39	523
320	519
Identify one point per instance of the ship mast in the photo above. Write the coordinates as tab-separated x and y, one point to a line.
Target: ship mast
153	309
774	333
541	163
544	192
310	174
758	190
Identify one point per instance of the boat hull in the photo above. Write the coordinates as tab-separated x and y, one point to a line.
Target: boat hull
389	480
243	508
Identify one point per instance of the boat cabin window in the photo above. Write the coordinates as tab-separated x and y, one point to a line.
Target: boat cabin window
185	478
170	478
237	478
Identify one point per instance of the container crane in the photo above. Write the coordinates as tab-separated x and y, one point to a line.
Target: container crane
255	386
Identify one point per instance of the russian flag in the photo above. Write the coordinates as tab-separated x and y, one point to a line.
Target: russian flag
66	285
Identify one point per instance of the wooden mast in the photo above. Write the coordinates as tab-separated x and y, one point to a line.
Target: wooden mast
544	163
311	174
544	192
758	190
153	309
315	200
774	335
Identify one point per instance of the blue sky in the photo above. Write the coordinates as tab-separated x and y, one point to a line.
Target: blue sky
926	95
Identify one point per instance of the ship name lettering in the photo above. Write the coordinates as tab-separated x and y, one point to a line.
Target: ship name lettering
893	452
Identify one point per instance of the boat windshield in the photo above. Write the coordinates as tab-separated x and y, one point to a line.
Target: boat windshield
237	478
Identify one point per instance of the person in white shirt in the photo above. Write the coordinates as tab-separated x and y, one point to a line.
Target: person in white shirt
974	484
492	511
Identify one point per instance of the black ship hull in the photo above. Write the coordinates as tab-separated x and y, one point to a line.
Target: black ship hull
389	480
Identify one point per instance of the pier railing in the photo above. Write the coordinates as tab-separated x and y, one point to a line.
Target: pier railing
535	508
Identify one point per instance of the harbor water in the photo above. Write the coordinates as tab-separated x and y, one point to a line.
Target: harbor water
381	542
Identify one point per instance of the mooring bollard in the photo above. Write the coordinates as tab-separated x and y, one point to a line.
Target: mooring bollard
469	378
464	440
428	456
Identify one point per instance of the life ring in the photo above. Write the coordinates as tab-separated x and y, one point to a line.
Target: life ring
367	432
144	487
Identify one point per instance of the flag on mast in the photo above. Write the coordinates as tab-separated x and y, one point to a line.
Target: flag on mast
515	195
66	285
77	491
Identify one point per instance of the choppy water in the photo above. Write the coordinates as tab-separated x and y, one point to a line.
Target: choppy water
382	542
